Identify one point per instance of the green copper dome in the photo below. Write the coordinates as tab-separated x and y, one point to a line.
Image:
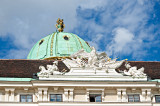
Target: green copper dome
58	44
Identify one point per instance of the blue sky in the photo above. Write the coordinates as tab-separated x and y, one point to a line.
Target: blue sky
121	28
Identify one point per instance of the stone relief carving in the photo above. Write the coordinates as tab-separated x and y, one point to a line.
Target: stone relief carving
83	63
92	59
133	71
43	71
51	70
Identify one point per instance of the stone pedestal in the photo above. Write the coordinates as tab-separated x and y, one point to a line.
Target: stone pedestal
119	95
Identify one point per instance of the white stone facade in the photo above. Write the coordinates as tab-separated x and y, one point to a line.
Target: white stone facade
77	92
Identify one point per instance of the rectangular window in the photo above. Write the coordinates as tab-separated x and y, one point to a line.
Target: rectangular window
157	97
56	97
133	98
95	98
26	98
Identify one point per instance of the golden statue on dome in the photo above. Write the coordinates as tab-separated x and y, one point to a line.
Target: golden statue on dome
60	25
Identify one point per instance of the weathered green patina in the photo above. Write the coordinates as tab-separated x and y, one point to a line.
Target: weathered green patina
15	79
156	80
58	44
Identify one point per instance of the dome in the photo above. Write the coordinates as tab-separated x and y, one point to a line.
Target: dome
58	45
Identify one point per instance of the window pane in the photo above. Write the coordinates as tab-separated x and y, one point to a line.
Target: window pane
54	100
157	98
95	98
130	98
59	98
98	98
136	98
29	98
53	97
92	98
133	98
23	98
56	97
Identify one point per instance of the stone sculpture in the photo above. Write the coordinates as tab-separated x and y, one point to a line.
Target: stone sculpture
92	59
133	71
51	70
83	63
43	71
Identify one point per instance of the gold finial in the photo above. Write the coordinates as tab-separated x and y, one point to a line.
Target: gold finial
60	25
109	59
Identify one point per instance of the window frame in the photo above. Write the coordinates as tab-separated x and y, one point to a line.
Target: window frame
155	98
56	97
25	98
94	95
133	97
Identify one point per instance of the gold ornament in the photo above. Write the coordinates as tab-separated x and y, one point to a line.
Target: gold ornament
60	25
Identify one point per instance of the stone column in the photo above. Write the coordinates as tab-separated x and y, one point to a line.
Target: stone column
119	95
124	95
65	97
143	97
68	94
12	95
71	95
9	94
148	95
102	95
39	94
6	96
45	96
87	94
